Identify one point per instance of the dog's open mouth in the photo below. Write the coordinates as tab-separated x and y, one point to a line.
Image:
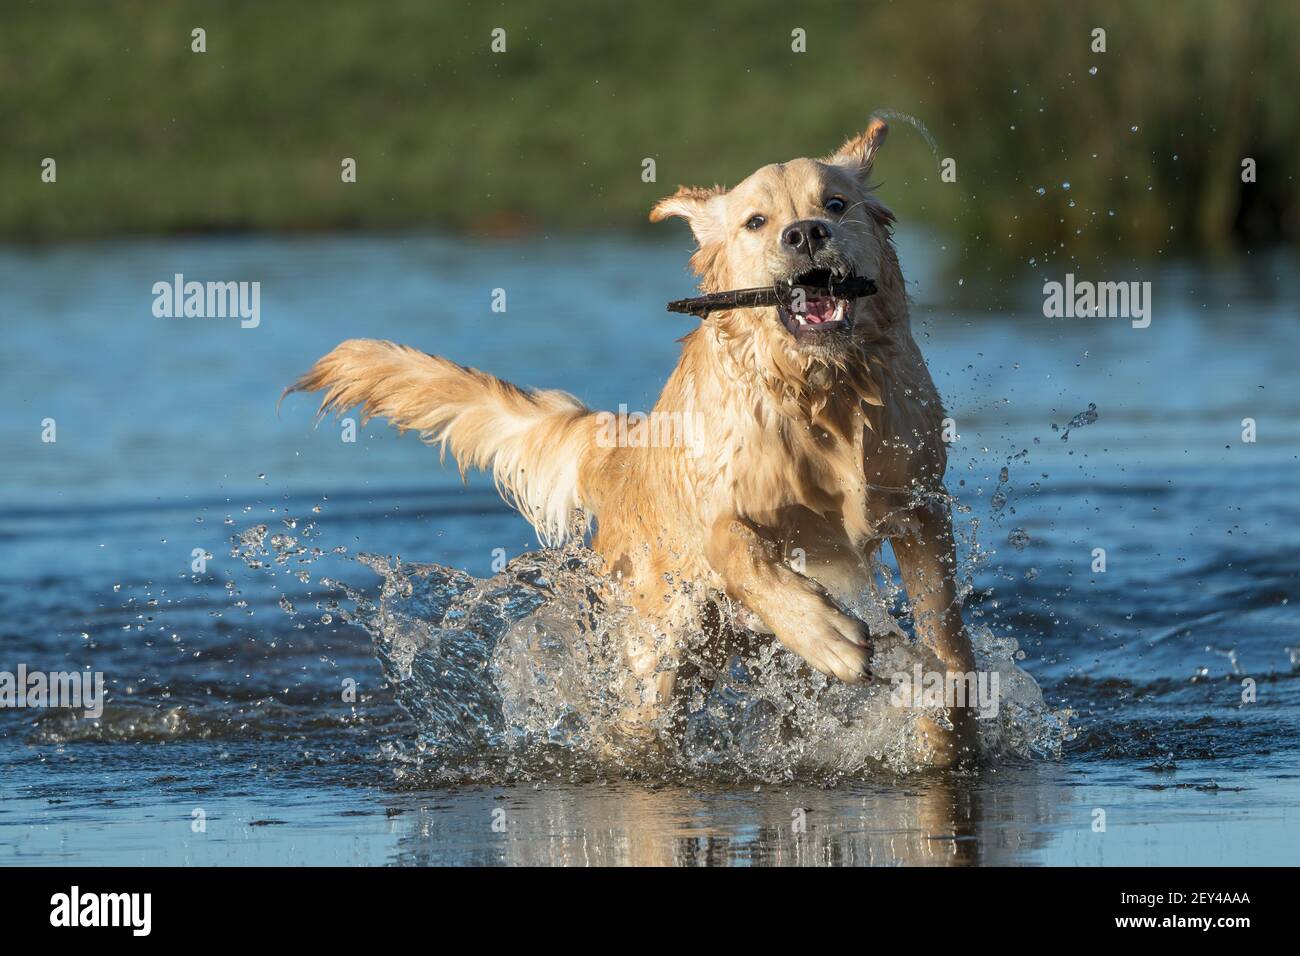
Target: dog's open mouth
810	305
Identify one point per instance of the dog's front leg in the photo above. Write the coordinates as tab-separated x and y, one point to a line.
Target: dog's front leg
797	609
652	674
927	559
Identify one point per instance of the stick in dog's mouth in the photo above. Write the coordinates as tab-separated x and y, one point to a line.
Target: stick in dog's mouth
811	303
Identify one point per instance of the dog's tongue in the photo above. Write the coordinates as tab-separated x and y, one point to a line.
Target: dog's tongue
819	309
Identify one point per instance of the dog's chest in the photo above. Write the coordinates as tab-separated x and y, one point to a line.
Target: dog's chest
858	471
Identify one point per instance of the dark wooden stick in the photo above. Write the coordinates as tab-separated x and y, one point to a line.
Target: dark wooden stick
854	287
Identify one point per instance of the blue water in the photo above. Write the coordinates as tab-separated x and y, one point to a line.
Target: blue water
168	440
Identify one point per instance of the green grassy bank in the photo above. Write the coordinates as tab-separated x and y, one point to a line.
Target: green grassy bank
150	137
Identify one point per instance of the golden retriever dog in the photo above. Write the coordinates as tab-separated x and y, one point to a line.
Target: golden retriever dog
819	439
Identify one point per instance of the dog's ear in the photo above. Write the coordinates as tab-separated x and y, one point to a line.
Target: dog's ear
859	153
700	207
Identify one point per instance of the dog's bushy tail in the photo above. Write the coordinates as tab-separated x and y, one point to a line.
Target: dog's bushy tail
533	442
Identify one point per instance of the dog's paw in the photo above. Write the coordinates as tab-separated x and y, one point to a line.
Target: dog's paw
834	643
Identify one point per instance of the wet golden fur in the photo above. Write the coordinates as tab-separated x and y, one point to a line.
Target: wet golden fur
814	450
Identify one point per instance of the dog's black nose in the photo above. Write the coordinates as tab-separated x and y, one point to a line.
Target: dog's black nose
806	236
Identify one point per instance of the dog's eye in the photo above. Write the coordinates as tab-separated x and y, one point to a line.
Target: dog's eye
756	222
835	204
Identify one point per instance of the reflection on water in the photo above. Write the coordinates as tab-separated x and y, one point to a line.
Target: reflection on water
935	821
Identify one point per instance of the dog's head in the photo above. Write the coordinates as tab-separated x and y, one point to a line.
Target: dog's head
807	222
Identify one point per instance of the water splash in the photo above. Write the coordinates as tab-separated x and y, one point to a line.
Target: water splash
521	673
521	676
915	124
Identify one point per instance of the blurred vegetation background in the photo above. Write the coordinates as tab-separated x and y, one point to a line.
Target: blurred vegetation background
150	137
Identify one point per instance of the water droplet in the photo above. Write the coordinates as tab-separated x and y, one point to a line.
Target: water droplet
1086	417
